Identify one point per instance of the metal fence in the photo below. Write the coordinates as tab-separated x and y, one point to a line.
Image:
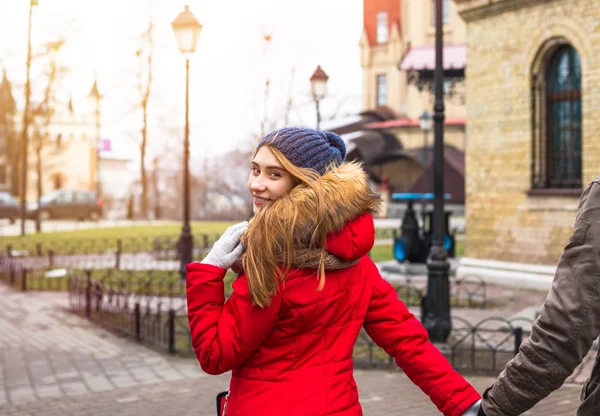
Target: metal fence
481	348
129	253
466	292
151	308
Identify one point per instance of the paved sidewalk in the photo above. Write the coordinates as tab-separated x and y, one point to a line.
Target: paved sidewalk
53	363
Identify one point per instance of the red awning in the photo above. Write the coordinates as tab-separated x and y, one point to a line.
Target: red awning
407	122
423	58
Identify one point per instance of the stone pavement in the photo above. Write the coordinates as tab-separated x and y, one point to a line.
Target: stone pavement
54	363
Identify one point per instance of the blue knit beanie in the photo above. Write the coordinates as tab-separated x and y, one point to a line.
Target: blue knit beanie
307	148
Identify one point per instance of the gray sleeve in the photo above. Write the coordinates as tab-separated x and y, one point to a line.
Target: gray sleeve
567	326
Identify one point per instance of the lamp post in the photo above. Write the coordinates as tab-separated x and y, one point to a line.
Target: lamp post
318	86
95	97
425	121
187	31
436	316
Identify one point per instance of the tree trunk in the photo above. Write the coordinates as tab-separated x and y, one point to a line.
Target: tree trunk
13	160
156	193
38	152
143	178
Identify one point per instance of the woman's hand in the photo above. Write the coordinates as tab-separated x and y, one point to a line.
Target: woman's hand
474	410
228	247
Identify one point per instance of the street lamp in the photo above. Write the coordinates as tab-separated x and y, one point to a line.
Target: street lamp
187	31
436	314
95	97
426	122
318	86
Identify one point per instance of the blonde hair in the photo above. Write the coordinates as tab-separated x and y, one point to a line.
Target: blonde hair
272	236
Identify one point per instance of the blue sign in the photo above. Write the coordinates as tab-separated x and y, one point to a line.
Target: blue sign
407	196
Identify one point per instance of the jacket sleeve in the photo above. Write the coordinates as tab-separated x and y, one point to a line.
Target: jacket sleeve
401	335
225	333
568	323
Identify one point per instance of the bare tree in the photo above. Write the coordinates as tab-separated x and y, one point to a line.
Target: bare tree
145	77
43	113
8	135
155	189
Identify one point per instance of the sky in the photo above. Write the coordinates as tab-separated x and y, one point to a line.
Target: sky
227	72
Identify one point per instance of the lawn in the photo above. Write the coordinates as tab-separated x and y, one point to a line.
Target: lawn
99	240
140	231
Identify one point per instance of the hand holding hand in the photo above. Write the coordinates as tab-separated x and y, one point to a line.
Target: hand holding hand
228	247
474	410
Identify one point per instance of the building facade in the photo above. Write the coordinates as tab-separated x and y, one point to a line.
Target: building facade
398	61
533	101
67	151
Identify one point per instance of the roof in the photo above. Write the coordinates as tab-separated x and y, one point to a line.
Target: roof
339	122
423	58
408	122
372	145
454	176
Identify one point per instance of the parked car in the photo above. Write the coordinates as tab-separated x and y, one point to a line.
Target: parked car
9	207
66	204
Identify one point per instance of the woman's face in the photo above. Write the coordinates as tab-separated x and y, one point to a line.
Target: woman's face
268	180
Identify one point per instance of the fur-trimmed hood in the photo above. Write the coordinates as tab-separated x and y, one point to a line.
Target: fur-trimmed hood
345	195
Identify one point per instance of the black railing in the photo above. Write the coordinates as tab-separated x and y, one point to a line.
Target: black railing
142	305
122	253
465	292
166	246
482	348
152	309
22	278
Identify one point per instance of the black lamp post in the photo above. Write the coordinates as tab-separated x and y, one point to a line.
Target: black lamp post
95	97
318	86
426	122
187	31
436	317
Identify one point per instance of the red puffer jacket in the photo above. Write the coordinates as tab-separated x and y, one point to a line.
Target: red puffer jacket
294	357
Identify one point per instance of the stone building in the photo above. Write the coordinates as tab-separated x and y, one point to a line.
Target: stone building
533	112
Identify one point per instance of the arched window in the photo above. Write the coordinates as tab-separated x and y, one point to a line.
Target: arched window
556	105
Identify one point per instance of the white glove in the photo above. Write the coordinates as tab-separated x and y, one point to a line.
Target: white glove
473	410
228	248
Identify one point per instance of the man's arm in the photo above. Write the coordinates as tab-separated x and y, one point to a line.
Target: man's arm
567	326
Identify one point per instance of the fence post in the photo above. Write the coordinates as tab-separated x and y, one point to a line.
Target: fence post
12	273
171	331
423	307
38	248
118	254
518	331
24	279
50	258
9	251
88	294
137	316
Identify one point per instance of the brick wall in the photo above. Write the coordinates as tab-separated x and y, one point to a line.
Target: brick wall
502	221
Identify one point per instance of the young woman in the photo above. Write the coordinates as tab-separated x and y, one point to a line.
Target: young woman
306	288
